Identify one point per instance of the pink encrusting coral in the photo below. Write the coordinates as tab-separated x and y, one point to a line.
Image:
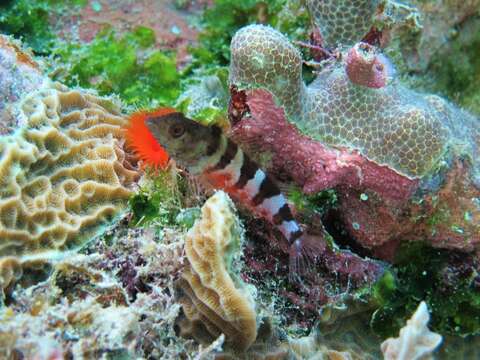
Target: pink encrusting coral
310	163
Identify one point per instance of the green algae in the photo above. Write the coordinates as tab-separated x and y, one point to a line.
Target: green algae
220	22
457	71
424	273
30	21
163	200
126	65
310	205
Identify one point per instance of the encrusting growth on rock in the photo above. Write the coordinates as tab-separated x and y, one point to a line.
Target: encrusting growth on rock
213	298
387	123
366	67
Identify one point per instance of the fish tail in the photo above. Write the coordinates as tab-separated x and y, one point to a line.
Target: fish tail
303	254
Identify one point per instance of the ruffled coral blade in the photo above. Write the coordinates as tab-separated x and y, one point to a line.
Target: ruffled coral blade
141	140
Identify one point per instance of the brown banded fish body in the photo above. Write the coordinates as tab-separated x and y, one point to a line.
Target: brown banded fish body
205	151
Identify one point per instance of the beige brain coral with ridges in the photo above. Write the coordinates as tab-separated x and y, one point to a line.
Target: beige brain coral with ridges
64	175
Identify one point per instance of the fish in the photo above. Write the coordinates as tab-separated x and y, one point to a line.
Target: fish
205	151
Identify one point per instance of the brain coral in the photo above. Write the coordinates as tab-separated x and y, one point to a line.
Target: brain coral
214	299
63	175
391	125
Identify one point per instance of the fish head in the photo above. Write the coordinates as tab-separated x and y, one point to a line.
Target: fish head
185	140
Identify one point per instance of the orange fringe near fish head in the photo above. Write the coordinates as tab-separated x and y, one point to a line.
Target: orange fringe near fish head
142	142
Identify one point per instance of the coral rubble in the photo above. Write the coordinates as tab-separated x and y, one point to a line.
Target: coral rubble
214	299
116	299
415	341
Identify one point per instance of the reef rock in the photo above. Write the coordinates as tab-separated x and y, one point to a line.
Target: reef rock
416	341
113	299
214	299
404	164
19	75
65	175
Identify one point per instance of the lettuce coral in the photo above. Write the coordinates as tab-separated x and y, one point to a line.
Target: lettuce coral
214	299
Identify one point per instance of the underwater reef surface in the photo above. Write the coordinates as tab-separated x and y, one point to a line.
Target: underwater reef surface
363	136
365	112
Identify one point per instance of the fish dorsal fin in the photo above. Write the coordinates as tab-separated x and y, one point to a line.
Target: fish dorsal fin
141	140
161	112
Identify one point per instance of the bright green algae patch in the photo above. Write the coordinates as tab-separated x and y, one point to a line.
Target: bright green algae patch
163	200
444	280
220	22
29	20
126	65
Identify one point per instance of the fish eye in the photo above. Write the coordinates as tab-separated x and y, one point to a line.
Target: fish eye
176	130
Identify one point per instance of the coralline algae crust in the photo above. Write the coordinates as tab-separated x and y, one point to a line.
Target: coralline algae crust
357	129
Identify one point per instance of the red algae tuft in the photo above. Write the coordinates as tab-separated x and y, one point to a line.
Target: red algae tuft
140	139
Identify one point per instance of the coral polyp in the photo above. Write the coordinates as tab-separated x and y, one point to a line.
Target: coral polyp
344	22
